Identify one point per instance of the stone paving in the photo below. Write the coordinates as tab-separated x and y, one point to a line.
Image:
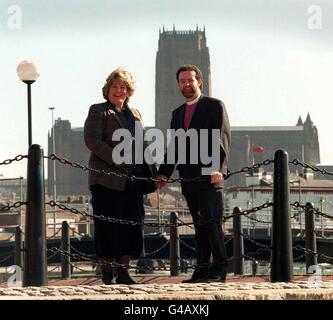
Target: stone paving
295	290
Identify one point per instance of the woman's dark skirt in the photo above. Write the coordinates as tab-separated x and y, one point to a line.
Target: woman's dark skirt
114	239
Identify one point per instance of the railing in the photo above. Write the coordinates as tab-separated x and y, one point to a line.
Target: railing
35	253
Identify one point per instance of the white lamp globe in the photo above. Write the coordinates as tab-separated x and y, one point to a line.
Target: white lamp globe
27	71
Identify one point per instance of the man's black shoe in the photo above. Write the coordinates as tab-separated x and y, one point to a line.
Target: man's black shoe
216	278
199	275
217	274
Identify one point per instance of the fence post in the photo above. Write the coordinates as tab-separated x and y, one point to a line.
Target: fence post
174	246
18	247
35	260
65	245
238	242
310	237
282	255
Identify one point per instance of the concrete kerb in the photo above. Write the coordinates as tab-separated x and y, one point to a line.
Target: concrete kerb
296	290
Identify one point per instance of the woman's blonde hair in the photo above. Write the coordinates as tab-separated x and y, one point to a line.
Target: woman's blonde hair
120	74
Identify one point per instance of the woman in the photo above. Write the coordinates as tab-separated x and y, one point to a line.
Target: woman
114	195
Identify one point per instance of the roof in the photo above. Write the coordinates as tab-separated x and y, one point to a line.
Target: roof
268	128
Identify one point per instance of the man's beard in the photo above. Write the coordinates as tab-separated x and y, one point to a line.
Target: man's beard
188	94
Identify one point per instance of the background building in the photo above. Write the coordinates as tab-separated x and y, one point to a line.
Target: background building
251	145
300	141
176	48
69	144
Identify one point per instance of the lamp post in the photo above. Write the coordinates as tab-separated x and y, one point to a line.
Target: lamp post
54	171
27	72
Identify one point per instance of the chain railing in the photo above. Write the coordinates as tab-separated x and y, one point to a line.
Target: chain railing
305	165
318	254
158	250
102	262
250	168
14	205
246	212
153	224
315	211
7	257
122	174
10	161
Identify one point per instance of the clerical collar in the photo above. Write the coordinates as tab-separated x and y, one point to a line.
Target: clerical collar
189	103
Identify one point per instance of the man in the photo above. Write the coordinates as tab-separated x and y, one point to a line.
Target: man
203	195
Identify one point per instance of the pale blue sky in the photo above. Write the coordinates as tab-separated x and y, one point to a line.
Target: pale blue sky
267	65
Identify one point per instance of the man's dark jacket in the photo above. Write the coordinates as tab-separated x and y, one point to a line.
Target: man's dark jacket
209	114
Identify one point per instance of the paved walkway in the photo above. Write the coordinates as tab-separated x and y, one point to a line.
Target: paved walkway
171	288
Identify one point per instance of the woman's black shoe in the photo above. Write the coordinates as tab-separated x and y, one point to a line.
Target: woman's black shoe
125	279
108	274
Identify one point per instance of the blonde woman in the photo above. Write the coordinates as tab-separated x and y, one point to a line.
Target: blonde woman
116	196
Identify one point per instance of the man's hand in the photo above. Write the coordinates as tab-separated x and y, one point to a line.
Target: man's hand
161	184
216	177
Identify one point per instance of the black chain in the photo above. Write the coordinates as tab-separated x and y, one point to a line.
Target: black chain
181	221
305	165
14	205
109	219
157	250
308	251
315	211
81	253
123	174
186	245
132	177
248	211
152	224
257	220
267	248
249	169
102	262
17	158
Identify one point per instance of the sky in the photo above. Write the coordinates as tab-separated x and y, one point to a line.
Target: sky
271	61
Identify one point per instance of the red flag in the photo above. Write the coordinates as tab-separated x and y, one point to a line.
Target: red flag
259	149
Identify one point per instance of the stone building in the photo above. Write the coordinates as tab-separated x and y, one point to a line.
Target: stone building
69	144
300	141
176	48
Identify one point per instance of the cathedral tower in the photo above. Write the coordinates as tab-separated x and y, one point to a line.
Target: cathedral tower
176	48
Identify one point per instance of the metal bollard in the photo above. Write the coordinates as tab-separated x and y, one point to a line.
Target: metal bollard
35	260
19	247
254	267
238	242
310	238
282	255
66	246
174	246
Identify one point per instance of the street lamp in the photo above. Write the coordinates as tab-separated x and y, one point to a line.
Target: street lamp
54	170
27	72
